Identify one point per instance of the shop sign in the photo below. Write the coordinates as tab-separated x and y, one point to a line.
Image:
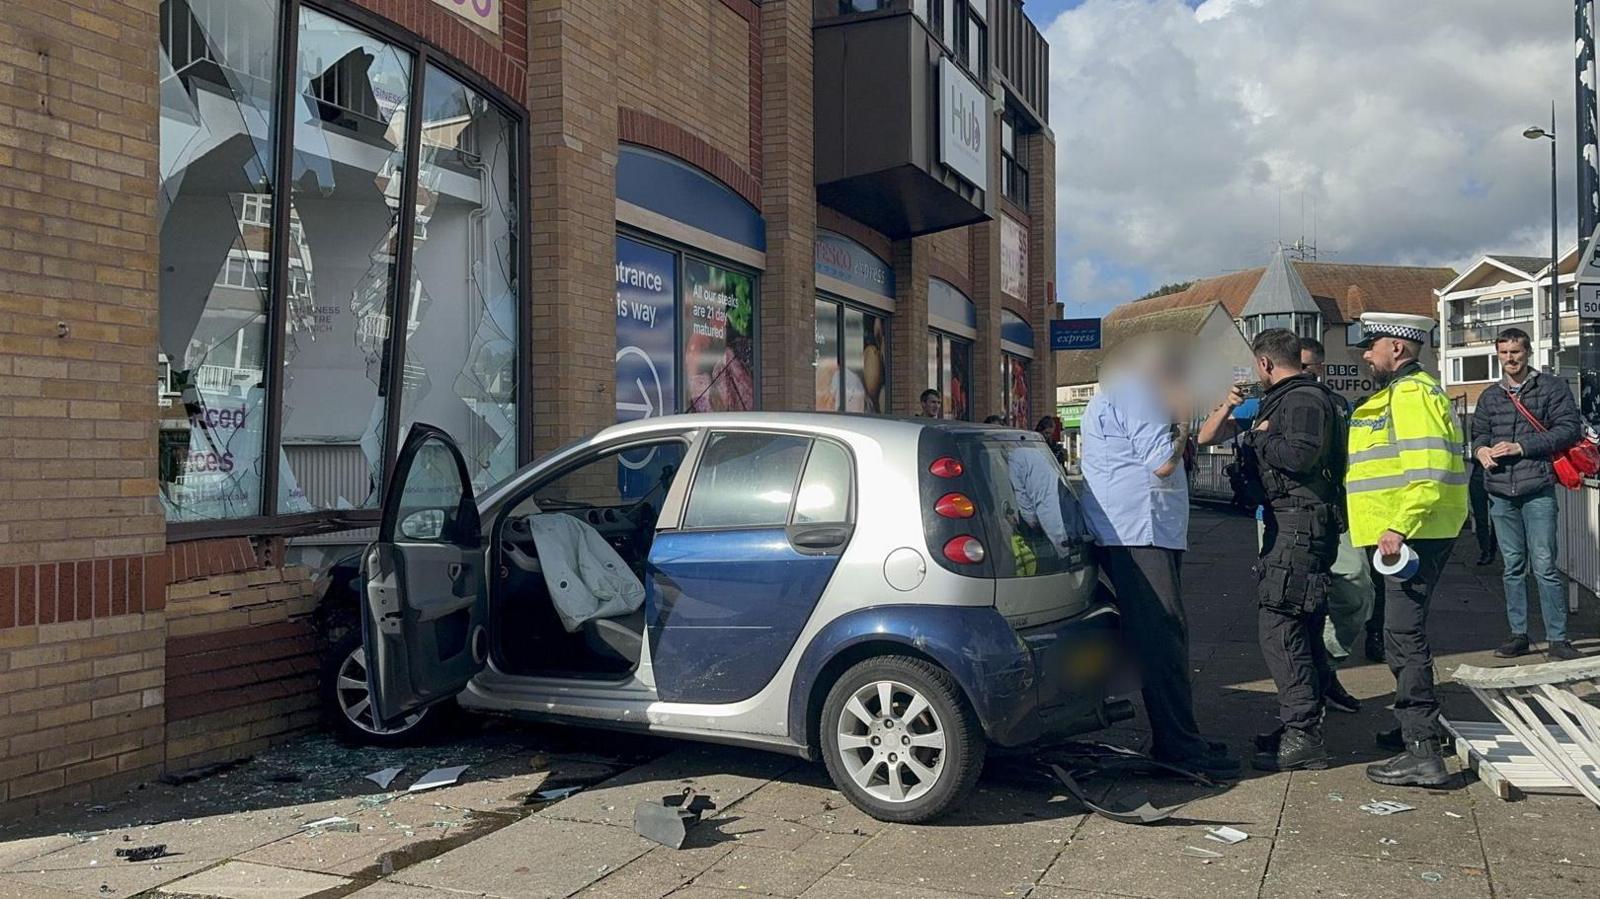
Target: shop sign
1075	334
843	259
483	13
964	124
1013	257
719	333
1351	380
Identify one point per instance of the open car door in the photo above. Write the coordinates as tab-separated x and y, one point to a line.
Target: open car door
426	603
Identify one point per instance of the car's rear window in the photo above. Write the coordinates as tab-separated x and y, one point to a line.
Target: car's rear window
1029	510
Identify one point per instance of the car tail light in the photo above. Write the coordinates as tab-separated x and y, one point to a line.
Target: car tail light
946	467
964	550
955	505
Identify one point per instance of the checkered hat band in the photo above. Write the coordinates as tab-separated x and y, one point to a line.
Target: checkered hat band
1400	331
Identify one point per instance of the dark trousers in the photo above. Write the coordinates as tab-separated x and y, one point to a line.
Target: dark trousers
1482	524
1149	586
1292	583
1380	595
1405	642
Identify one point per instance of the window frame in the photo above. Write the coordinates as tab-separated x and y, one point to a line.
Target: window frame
842	305
1014	175
712	434
270	521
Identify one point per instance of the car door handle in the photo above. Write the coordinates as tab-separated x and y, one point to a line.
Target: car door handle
820	538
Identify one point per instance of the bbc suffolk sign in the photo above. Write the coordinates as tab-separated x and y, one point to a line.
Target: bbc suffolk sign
483	13
1075	334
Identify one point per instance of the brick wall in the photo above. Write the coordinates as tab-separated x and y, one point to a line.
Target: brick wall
82	565
687	62
1041	150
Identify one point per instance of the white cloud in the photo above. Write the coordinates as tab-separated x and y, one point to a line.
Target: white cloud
1178	130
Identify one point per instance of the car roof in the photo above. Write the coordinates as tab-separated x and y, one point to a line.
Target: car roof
877	426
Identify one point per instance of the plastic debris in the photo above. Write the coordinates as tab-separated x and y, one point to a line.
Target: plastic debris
385	777
1451	815
1143	813
336	824
1386	807
557	793
667	822
1227	835
1432	877
438	777
1388	842
143	853
1335	797
1197	852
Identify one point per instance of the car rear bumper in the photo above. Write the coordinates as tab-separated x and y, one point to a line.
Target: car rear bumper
1069	668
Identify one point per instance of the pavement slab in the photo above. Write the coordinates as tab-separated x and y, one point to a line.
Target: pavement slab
1313	821
1310	872
844	886
985	860
208	838
659	872
389	889
386	839
1149	861
16	889
244	880
777	872
118	881
725	775
1545	830
806	796
536	857
1539	880
20	852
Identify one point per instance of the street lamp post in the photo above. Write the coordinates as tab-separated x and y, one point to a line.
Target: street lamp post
1535	133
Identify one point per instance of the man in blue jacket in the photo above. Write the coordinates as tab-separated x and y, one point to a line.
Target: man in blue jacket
1520	425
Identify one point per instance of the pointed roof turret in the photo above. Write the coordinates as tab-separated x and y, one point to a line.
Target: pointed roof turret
1280	291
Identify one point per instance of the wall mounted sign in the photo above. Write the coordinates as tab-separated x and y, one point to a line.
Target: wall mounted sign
1013	257
845	260
483	13
1075	334
964	124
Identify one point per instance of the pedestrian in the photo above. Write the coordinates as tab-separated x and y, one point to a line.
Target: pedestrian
932	404
1293	461
1521	424
1406	488
1136	501
994	420
1350	593
1482	524
1049	427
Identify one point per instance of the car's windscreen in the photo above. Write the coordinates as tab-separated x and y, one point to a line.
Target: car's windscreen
1033	519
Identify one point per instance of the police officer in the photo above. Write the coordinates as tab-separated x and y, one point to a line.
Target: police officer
1407	487
1293	461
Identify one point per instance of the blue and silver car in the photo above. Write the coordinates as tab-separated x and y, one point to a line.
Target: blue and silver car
865	591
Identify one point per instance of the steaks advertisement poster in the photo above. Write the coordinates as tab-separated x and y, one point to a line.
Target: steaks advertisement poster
719	346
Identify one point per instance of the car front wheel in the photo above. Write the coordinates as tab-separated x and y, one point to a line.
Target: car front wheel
348	701
900	740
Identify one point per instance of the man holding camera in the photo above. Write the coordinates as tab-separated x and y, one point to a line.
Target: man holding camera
1293	460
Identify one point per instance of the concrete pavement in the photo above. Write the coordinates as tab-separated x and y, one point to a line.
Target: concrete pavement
781	831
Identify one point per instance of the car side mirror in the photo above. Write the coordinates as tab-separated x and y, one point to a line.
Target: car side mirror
426	524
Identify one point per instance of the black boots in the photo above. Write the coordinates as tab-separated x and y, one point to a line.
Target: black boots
1296	750
1562	651
1421	765
1392	741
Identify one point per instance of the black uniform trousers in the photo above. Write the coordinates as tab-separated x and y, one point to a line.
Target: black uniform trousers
1148	582
1478	494
1297	550
1405	642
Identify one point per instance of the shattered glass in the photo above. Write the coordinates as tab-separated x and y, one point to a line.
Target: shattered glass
351	98
461	321
218	68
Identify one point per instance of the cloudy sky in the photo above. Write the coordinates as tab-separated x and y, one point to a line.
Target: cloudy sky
1184	126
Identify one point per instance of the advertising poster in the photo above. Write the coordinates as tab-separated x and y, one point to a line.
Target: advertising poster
960	373
1014	375
719	338
853	376
647	341
827	358
1013	257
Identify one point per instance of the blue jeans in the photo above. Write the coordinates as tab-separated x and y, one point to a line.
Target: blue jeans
1525	527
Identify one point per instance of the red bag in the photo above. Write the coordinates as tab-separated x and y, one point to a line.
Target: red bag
1573	464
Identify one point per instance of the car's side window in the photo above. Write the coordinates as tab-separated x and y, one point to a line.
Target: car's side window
643	472
824	496
431	496
745	480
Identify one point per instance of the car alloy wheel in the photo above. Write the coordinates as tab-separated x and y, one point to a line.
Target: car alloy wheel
891	742
355	699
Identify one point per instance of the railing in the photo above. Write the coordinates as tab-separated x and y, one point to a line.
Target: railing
1579	538
1486	331
1022	57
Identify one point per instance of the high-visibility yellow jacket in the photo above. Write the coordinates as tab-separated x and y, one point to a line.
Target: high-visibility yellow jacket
1407	473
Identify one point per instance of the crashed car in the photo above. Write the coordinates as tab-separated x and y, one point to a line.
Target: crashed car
864	591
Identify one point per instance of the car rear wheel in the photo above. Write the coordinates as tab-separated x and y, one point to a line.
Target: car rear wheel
900	740
348	701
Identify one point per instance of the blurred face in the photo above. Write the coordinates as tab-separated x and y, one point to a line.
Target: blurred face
1385	356
932	405
1309	361
1513	358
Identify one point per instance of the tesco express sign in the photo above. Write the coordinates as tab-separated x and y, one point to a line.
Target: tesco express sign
483	13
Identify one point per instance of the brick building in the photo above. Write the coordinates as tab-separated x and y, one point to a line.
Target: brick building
309	224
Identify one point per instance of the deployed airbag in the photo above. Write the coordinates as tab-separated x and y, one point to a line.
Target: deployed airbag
586	577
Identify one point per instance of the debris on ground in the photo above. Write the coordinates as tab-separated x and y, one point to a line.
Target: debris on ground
667	822
1227	835
438	777
555	794
143	853
1142	812
1386	807
179	778
335	824
385	777
1432	877
1197	852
